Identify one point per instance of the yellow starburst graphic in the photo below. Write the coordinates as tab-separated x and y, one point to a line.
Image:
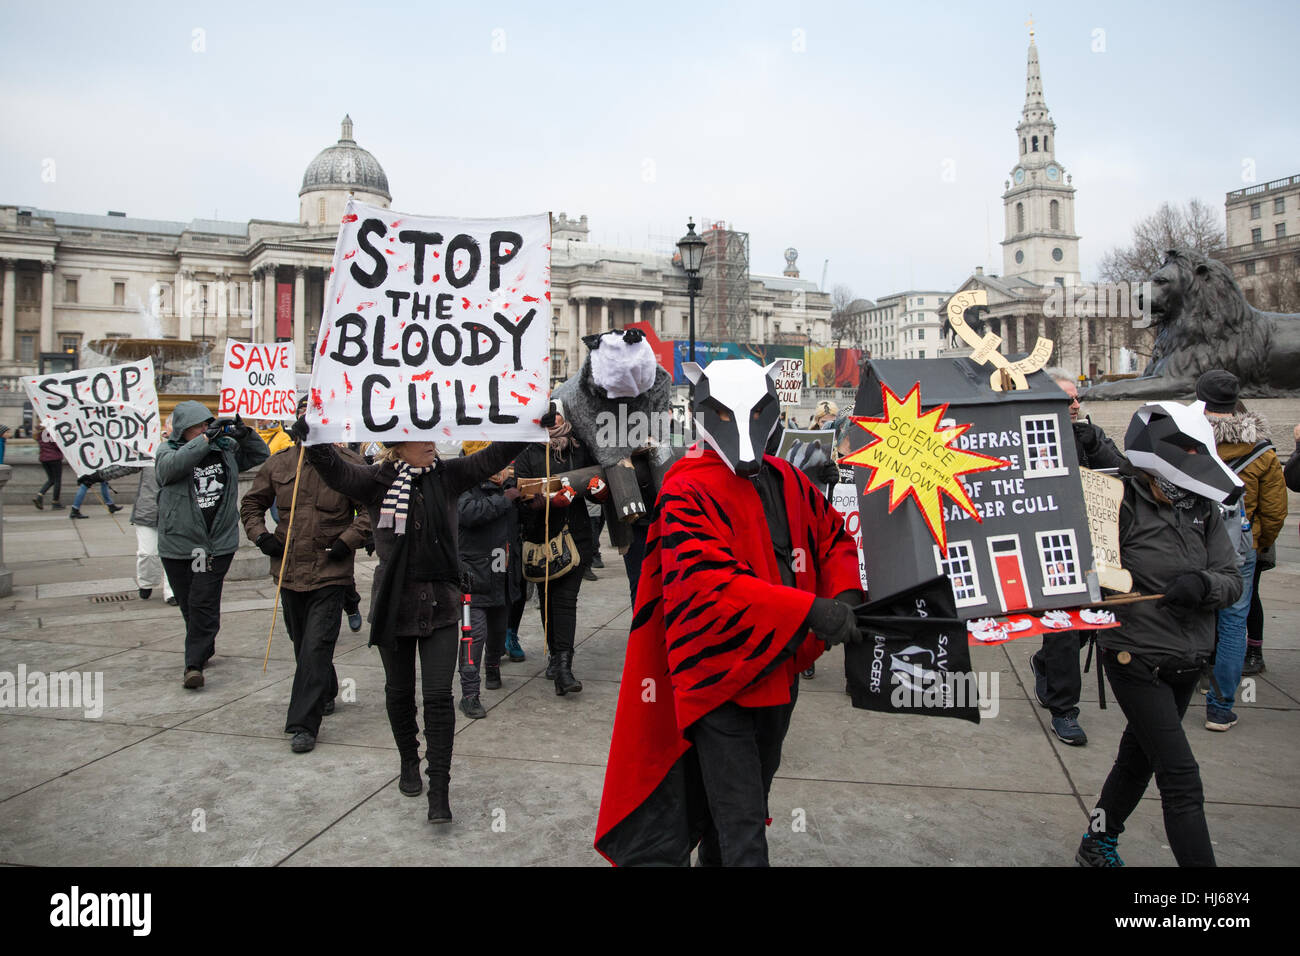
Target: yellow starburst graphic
914	456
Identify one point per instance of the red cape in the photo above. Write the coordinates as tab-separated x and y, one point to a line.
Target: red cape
712	623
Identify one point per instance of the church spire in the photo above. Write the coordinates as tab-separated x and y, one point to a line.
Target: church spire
1035	105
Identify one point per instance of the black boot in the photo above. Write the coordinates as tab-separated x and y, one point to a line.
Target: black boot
439	733
411	784
552	662
565	682
492	676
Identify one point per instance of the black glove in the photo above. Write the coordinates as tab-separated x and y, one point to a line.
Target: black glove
238	431
548	420
1087	436
338	551
370	546
1186	593
269	545
214	431
828	474
833	622
299	429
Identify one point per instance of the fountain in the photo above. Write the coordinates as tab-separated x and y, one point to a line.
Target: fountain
180	366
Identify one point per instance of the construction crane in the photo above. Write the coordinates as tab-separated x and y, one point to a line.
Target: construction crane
826	265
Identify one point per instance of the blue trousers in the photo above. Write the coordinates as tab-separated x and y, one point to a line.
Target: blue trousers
1231	654
83	490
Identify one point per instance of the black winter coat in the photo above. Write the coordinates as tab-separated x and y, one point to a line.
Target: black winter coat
490	549
532	464
408	607
1158	542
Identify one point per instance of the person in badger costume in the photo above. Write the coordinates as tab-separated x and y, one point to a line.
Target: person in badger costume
749	574
619	404
1173	542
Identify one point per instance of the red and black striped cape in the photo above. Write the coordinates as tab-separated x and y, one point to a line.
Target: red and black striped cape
712	623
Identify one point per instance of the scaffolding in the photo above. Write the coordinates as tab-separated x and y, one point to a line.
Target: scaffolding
724	279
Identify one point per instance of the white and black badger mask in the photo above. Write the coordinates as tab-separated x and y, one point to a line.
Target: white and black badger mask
1176	442
622	363
736	409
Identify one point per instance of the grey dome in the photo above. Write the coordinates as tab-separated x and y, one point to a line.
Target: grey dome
345	165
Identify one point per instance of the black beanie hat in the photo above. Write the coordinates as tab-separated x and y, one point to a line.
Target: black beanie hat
1218	389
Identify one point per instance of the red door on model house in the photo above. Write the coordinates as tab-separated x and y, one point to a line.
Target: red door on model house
1009	572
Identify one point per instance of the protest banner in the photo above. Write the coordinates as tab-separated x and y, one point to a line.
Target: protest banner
1102	496
258	381
434	329
100	416
789	380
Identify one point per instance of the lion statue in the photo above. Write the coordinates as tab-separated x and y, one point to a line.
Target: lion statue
1202	322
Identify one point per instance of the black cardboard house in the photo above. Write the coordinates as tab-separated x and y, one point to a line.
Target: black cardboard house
1032	550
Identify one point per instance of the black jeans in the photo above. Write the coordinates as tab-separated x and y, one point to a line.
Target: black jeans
516	614
739	751
486	645
198	594
312	620
1058	662
53	478
597	526
559	607
635	555
351	600
437	653
1154	741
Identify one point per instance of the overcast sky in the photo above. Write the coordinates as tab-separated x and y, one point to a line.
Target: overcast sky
824	126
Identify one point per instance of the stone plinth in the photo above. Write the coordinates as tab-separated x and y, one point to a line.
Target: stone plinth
6	576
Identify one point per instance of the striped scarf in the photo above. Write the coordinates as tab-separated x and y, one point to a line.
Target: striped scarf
397	499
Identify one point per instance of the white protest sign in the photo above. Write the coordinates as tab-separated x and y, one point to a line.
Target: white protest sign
100	416
434	329
844	499
789	380
1103	496
258	381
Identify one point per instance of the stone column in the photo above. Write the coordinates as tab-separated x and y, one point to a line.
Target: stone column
299	312
1084	346
1022	343
222	286
256	326
47	306
7	326
270	332
604	315
636	311
186	290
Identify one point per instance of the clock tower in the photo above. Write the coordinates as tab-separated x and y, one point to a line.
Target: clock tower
1040	243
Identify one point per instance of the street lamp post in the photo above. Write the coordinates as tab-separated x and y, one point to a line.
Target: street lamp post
691	247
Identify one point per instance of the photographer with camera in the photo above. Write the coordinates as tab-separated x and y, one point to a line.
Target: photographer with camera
198	518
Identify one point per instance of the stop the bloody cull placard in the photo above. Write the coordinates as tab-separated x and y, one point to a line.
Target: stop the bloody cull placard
100	416
258	381
434	329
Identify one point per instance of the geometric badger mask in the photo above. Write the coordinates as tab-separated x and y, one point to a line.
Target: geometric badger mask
1176	442
736	410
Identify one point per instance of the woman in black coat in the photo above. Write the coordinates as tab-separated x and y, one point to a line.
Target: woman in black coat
415	602
558	598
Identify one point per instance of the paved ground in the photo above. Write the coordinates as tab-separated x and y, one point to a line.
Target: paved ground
169	776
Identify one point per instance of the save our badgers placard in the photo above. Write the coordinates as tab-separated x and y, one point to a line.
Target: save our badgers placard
434	328
257	381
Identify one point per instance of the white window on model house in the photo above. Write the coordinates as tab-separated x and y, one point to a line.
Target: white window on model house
962	572
1058	555
1041	443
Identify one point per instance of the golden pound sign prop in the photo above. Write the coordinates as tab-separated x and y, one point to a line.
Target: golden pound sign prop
1006	375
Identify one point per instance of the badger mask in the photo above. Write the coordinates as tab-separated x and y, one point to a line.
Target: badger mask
736	408
622	363
1176	442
